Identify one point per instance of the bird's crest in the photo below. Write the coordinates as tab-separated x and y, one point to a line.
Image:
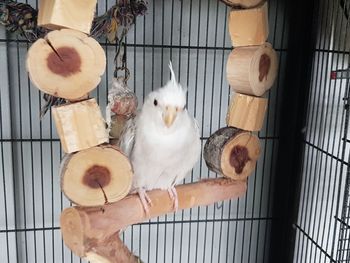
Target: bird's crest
173	78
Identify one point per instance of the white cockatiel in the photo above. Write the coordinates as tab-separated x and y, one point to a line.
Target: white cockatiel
163	142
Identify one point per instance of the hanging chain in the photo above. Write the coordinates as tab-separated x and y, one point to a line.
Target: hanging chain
121	55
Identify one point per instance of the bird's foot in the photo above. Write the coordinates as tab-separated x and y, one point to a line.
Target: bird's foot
145	200
173	195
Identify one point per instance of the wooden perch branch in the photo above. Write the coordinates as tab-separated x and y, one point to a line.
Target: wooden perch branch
84	229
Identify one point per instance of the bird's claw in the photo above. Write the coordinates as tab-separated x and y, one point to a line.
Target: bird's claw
148	199
173	196
145	200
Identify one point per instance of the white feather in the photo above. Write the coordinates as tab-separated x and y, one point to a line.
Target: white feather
162	156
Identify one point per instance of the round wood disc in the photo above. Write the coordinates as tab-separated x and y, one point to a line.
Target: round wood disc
232	152
252	70
96	176
264	65
66	64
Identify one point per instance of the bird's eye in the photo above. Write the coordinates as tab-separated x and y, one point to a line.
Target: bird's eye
178	109
155	102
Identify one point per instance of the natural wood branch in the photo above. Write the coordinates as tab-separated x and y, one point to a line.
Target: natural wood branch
111	249
82	227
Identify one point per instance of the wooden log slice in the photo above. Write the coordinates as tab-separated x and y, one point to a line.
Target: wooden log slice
232	153
252	70
96	176
80	125
77	14
243	3
66	64
249	27
246	112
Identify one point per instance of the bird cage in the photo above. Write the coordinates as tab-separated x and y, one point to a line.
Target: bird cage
294	203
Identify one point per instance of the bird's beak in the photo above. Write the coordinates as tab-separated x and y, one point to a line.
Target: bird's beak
169	116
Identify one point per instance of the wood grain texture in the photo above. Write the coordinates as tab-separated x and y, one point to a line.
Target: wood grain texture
252	70
80	125
232	152
109	250
246	112
82	226
73	14
66	64
96	176
249	27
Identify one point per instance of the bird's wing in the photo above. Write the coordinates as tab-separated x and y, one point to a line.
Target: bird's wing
127	137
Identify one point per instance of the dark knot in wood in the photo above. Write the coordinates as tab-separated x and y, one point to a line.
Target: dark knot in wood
238	158
97	177
264	67
64	61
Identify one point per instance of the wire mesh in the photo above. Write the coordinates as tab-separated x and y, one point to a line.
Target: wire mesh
194	35
326	166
